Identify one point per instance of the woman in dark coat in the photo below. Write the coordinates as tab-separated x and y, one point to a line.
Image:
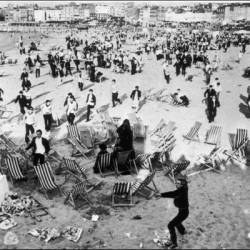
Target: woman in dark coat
125	137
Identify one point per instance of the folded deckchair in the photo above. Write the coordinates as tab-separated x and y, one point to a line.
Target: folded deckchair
123	192
175	168
193	135
238	144
209	162
213	135
107	165
46	178
158	127
78	190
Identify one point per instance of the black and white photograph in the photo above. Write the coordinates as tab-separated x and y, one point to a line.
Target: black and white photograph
124	124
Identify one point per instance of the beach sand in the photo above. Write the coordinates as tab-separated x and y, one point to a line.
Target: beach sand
219	203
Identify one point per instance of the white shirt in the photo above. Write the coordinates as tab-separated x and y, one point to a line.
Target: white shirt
217	88
90	102
114	88
29	119
46	109
39	146
72	107
27	95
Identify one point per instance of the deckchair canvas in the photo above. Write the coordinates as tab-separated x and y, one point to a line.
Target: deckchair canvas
106	165
193	135
46	178
213	135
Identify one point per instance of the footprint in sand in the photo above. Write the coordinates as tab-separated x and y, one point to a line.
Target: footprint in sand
239	85
228	91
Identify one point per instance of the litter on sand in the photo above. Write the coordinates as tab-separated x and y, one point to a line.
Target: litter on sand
10	238
7	224
45	234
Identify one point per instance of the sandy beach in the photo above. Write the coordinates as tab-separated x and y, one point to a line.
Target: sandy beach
219	203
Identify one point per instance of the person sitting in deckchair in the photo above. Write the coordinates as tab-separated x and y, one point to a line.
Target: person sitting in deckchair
180	98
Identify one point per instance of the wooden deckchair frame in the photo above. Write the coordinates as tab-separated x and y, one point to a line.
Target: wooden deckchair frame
193	133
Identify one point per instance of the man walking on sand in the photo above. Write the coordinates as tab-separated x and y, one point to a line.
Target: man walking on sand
115	93
180	196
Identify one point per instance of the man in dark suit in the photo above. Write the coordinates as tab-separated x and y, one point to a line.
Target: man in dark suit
40	147
22	101
91	102
136	96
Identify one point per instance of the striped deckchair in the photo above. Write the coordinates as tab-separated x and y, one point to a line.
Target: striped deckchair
213	135
173	169
193	135
46	178
80	189
74	132
14	168
238	143
158	127
79	149
106	165
74	170
123	192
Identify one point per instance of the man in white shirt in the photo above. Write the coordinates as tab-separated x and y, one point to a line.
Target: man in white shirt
72	108
40	147
114	93
47	114
29	118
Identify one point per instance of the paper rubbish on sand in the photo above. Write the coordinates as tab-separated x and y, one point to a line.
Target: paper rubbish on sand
10	238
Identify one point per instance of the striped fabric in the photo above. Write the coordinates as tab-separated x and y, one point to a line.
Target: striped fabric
73	132
9	142
13	166
78	189
231	140
145	161
140	184
158	127
193	132
122	188
176	168
240	138
213	135
73	167
104	161
45	176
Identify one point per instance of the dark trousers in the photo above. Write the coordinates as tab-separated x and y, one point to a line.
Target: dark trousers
71	118
89	107
167	77
177	223
47	121
68	71
211	113
80	85
115	98
28	130
22	109
28	102
38	158
37	73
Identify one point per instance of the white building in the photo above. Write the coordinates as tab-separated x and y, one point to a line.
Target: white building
47	15
235	13
70	13
103	11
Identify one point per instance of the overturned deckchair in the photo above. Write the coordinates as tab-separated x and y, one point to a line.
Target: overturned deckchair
238	144
73	169
213	135
158	127
193	135
123	192
46	178
78	190
209	162
175	168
